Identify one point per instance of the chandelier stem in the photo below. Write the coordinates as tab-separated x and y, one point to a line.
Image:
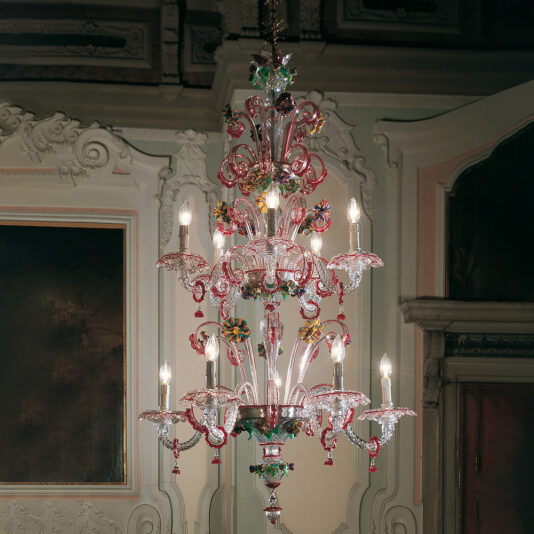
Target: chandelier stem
183	234
338	376
210	375
164	397
354	237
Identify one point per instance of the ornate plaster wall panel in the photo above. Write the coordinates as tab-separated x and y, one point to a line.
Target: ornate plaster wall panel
170	36
55	171
61	41
423	160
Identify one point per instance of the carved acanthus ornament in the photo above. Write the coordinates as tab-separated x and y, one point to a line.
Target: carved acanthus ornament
62	517
337	142
59	141
189	169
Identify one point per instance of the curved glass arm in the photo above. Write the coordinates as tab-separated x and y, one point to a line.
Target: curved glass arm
183	446
387	429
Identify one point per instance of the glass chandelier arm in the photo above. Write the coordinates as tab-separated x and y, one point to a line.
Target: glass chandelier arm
295	391
355	439
255	108
215	434
254	374
289	376
311	350
305	359
230	417
183	446
246	388
327	277
239	163
387	431
294	213
305	114
245	212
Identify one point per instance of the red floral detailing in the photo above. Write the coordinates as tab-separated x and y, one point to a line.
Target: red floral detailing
204	430
374	454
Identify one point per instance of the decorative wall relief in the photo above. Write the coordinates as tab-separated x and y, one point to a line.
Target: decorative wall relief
61	142
189	169
106	43
493	345
145	519
54	517
337	142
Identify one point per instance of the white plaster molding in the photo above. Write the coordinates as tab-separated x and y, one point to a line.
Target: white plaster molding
57	517
80	151
400	520
455	316
457	138
337	142
145	518
189	170
99	194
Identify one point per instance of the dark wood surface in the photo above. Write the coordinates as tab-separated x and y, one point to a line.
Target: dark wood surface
496	459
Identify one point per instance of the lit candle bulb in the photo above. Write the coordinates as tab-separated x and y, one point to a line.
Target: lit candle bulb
218	243
385	371
353	215
164	390
337	353
277	380
212	353
184	217
316	243
272	200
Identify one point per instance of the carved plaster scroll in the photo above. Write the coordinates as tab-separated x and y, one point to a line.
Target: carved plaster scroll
189	169
59	141
400	520
144	519
337	142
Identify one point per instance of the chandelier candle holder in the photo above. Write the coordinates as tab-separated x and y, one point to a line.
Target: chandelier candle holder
271	267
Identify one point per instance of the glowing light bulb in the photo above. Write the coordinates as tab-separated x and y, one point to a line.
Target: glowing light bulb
218	239
337	352
184	214
385	366
165	373
212	349
277	380
316	243
353	211
272	197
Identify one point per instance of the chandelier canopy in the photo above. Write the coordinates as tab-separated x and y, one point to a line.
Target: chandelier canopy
271	267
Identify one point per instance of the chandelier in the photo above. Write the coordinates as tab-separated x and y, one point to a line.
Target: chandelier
269	266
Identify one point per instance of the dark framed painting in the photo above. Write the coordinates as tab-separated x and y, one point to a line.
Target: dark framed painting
62	353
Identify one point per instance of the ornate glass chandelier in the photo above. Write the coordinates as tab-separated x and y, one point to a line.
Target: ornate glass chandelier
270	266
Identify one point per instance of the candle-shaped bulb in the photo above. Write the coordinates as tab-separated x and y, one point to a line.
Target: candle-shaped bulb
353	211
212	349
184	214
164	389
385	366
277	380
272	197
337	352
316	243
218	239
165	373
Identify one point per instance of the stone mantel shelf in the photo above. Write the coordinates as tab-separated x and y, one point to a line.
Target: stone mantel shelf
460	316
